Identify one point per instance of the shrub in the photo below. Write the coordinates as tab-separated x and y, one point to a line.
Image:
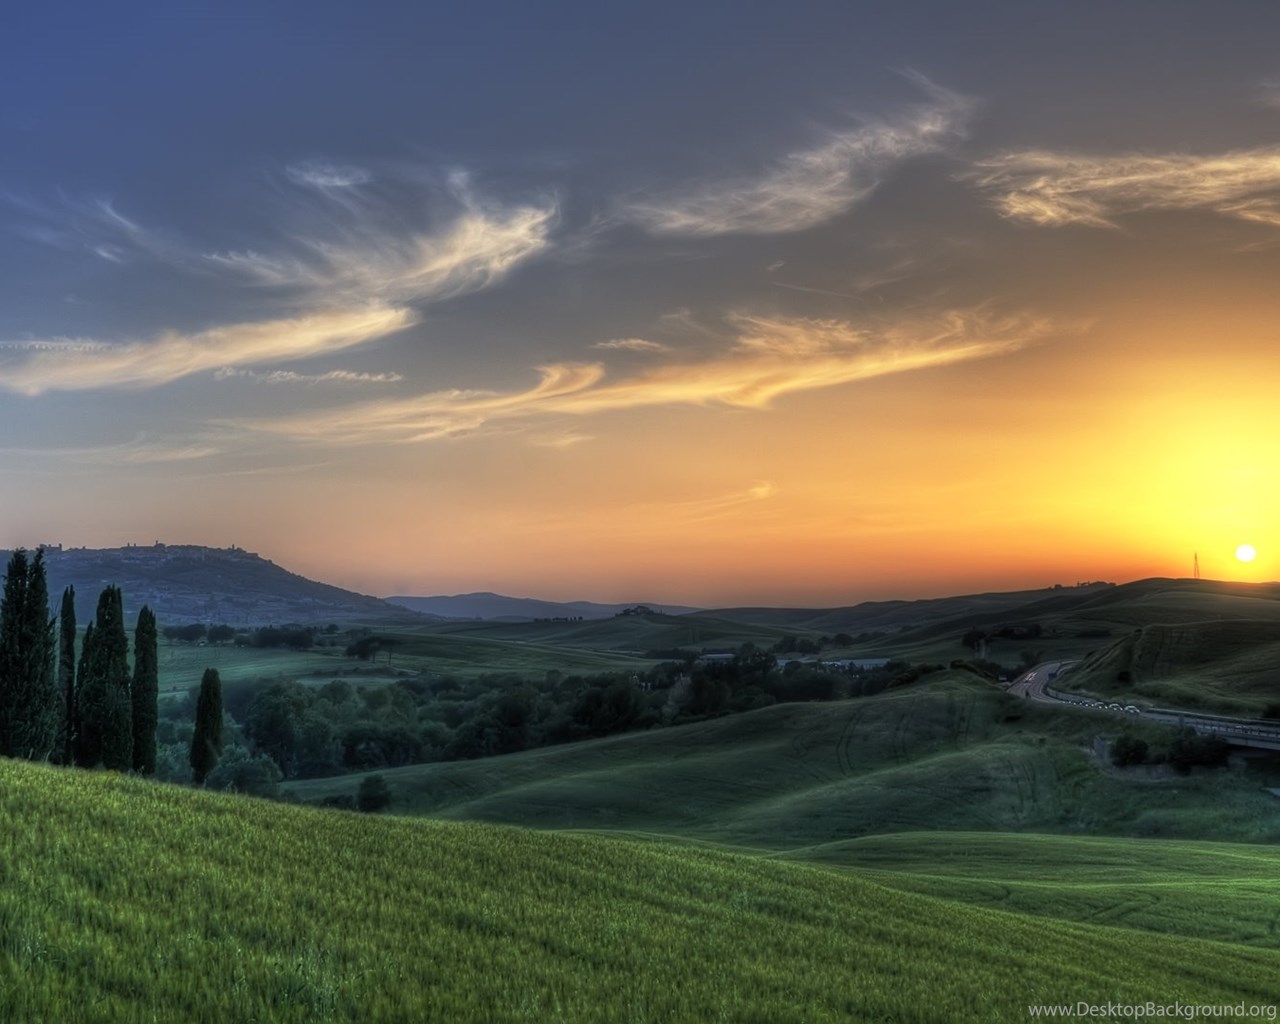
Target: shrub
1127	750
374	794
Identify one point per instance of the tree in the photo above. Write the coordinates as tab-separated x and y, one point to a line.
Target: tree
145	694
67	673
373	795
30	702
105	705
206	742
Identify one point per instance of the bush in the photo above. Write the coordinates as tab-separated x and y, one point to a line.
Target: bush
374	794
241	772
1190	750
1127	750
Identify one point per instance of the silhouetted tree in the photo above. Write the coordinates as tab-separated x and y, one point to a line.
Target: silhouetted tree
85	742
145	694
30	703
206	741
105	707
67	673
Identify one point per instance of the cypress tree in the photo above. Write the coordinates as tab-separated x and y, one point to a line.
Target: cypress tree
106	711
67	672
206	741
29	698
87	751
145	693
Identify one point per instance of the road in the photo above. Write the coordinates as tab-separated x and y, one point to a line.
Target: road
1037	684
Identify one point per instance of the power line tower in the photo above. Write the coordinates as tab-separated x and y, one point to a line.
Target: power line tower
1195	565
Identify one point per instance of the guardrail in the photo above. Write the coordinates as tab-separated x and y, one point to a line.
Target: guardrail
1218	724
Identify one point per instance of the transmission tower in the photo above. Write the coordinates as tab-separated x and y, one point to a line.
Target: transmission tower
1195	565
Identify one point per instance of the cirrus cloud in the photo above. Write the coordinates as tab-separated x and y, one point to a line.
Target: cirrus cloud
1052	189
34	367
810	186
768	358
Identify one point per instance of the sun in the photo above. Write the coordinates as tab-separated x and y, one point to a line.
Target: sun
1246	553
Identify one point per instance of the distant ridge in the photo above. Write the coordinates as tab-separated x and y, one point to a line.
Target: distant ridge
190	583
486	605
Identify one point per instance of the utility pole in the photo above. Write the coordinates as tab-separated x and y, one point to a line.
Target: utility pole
1195	565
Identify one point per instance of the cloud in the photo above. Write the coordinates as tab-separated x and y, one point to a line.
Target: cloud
293	377
321	175
355	278
34	367
809	186
138	451
1053	189
768	358
364	259
632	345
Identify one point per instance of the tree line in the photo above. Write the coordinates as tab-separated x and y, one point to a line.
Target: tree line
95	711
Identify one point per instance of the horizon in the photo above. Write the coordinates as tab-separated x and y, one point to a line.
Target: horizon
632	599
806	310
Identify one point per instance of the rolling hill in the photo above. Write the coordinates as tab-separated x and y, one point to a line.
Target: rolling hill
130	901
950	752
485	605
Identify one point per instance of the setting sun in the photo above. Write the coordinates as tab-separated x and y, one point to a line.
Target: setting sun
1246	553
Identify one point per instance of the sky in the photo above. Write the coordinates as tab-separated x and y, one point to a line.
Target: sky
713	303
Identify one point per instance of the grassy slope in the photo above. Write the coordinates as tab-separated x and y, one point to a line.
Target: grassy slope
1225	891
937	755
1225	666
128	901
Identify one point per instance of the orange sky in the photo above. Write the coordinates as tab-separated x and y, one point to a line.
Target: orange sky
866	335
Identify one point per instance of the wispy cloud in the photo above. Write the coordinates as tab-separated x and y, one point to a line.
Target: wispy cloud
809	186
293	377
33	367
632	345
358	275
138	451
321	174
363	259
1052	189
767	359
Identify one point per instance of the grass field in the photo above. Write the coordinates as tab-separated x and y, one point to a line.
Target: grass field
124	900
950	753
181	665
1224	891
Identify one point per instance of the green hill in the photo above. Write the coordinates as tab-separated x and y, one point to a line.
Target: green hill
950	752
1224	891
1228	666
128	901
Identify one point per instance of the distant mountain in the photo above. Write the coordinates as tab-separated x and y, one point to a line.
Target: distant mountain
497	606
188	583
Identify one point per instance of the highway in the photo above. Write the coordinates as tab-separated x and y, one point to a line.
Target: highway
1037	684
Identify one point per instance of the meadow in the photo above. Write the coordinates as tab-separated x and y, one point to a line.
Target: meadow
1229	892
950	752
126	900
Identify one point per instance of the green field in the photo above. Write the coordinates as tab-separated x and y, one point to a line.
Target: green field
1224	891
124	900
950	752
941	851
420	651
